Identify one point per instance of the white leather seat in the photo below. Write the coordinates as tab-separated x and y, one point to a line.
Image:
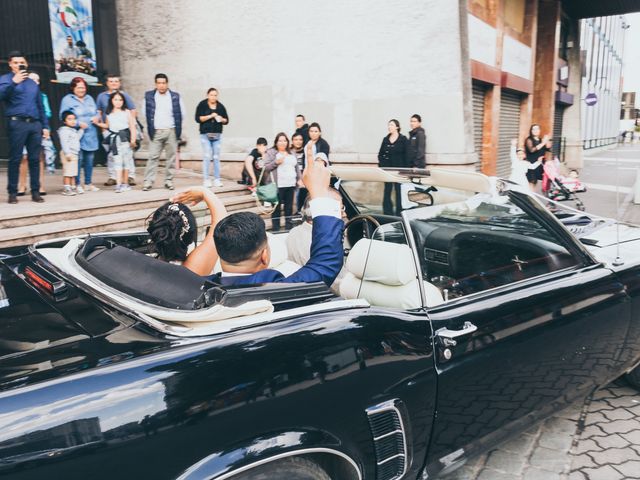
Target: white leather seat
280	255
384	274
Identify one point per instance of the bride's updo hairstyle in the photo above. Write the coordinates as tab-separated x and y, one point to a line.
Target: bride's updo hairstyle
172	229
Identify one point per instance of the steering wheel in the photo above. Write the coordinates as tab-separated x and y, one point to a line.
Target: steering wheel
368	226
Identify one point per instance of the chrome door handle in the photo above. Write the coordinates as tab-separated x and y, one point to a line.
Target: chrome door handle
448	337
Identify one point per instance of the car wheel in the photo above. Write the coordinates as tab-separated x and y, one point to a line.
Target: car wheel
294	468
633	378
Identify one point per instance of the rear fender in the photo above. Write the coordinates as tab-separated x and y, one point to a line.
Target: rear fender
321	446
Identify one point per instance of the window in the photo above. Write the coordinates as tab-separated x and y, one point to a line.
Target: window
481	243
514	14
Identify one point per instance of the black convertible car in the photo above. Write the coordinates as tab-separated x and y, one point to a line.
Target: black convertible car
467	315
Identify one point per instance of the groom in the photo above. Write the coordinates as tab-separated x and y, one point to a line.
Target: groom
241	240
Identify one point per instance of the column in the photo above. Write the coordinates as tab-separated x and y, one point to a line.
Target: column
544	83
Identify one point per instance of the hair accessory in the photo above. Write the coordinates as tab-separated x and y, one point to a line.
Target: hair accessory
174	207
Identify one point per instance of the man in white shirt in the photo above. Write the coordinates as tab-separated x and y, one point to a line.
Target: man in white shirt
164	112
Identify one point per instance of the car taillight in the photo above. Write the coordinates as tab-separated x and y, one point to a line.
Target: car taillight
46	282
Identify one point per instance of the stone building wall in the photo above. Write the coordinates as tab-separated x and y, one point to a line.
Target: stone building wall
350	65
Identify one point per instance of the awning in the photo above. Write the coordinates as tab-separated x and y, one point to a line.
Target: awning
599	8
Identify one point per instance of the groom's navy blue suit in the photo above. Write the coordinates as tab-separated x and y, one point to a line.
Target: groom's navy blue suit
323	266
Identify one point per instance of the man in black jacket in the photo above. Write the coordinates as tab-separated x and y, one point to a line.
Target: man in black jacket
417	143
302	128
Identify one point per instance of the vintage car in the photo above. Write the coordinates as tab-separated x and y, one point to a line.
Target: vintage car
468	310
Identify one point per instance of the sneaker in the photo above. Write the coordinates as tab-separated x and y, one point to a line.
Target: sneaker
146	188
67	191
110	182
169	185
119	189
125	188
91	188
131	181
79	189
217	183
207	183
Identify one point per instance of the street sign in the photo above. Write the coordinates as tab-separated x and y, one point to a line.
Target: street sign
591	99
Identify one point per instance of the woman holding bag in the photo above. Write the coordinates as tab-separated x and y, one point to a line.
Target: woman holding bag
284	170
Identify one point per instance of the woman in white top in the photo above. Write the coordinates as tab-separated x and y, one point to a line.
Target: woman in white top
282	165
520	165
121	125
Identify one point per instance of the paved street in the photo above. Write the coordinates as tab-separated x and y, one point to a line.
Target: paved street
600	175
598	439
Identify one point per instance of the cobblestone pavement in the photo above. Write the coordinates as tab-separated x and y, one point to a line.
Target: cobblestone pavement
594	440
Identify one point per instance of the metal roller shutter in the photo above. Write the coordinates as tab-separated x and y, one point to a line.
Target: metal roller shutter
509	129
479	91
557	129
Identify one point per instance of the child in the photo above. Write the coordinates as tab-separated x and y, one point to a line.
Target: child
122	138
520	165
70	147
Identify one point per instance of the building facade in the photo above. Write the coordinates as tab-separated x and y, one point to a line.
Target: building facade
479	72
602	42
351	66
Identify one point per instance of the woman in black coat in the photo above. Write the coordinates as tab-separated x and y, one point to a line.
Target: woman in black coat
535	148
393	154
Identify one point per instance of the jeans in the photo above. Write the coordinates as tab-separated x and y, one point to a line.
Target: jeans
302	197
285	199
122	161
162	139
24	134
131	166
210	151
49	155
387	205
85	160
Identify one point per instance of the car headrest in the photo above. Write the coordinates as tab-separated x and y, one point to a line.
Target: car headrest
382	262
278	246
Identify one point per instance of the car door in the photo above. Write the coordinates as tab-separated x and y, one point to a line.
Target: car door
529	325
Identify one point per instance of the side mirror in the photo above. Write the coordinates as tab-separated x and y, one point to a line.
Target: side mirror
421	198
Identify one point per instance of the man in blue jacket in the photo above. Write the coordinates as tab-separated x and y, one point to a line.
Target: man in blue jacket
27	124
241	240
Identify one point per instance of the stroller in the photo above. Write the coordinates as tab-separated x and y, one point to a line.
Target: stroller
560	188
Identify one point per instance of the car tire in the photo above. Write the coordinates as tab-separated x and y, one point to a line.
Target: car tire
294	468
633	378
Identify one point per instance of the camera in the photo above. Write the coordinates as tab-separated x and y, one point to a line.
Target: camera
22	67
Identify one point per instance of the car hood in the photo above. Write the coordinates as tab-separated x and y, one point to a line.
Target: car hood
607	236
604	248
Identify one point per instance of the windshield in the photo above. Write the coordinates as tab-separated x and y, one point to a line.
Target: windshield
483	242
386	198
579	223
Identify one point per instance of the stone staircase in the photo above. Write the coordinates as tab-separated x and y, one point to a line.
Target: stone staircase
102	211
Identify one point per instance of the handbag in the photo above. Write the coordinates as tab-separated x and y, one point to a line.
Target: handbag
269	192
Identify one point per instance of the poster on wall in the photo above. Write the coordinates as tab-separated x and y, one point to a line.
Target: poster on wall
74	49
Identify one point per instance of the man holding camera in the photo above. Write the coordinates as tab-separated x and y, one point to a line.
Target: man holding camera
27	124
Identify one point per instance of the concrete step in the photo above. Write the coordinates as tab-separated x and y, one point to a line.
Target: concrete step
133	219
92	205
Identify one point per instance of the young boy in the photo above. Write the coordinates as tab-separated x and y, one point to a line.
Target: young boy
70	147
253	164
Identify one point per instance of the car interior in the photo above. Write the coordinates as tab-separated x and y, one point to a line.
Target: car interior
461	246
